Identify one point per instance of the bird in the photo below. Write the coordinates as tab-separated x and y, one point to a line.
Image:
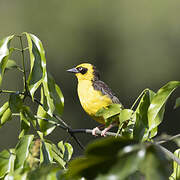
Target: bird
93	93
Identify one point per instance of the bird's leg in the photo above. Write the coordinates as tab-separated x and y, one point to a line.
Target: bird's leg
103	133
97	129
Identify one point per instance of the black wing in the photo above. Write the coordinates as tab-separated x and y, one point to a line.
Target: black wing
103	87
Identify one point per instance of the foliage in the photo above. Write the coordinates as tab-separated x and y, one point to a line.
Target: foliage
133	155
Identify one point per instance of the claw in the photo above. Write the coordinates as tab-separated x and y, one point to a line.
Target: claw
94	131
103	133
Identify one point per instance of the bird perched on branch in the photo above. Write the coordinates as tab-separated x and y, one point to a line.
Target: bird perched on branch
93	93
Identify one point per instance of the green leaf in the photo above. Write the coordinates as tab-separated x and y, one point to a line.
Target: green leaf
155	164
45	126
101	157
157	106
11	64
46	155
58	156
46	172
4	54
6	162
25	124
126	114
27	118
131	162
6	116
140	131
177	104
5	113
176	168
38	63
54	96
22	150
109	111
38	75
15	102
67	150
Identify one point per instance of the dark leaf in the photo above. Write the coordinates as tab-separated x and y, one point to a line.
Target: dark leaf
15	102
177	104
156	164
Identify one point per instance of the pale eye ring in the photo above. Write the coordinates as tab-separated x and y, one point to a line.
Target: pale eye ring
82	70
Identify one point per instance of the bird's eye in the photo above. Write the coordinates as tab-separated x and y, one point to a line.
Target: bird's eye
82	70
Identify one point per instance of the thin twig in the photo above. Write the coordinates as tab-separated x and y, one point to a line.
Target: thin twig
168	139
23	63
65	126
143	92
169	153
89	131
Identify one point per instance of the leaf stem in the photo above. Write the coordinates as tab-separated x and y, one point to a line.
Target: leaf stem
139	98
7	91
23	63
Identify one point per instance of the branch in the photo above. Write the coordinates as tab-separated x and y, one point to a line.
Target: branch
89	131
168	139
64	126
169	153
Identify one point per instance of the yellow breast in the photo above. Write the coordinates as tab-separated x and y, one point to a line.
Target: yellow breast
92	100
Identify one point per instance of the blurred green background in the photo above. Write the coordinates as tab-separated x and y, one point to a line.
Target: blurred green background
134	44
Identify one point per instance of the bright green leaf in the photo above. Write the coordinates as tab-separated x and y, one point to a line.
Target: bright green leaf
54	97
4	108
177	104
45	126
46	155
176	173
6	162
4	54
126	114
22	150
5	113
6	116
140	131
11	64
156	108
37	61
109	111
68	151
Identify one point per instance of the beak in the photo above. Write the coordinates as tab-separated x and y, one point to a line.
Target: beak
73	70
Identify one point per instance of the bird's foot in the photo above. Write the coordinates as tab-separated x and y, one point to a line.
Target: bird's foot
103	133
94	131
